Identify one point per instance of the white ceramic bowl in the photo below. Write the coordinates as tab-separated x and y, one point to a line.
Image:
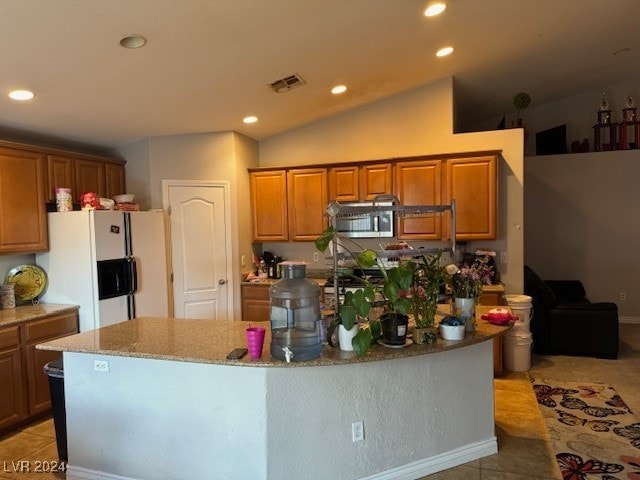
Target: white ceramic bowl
124	198
452	332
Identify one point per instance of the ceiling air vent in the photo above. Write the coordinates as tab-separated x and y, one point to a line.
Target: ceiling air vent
287	83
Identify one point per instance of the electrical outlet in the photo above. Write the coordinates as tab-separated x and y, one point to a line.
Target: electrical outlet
503	257
316	256
622	296
101	365
243	260
357	431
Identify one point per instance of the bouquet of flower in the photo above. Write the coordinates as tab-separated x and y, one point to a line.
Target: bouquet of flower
467	281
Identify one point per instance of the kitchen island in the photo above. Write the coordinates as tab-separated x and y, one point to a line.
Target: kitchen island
156	398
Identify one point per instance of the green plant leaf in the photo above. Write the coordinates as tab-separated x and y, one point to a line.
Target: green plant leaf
376	329
322	242
361	303
348	316
390	291
366	258
362	341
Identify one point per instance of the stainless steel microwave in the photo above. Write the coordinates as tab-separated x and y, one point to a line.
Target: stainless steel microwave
368	223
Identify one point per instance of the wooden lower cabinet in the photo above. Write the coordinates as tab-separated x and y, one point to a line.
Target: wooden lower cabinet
25	386
255	302
12	405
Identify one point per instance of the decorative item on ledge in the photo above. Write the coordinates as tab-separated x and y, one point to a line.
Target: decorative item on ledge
629	127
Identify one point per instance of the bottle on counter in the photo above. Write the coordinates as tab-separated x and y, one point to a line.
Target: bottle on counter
295	315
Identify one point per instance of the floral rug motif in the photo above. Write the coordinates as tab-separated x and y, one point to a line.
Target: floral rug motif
593	432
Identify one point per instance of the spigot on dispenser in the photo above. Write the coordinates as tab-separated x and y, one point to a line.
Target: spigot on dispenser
288	354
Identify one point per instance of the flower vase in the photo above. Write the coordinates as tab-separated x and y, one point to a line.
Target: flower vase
465	307
345	336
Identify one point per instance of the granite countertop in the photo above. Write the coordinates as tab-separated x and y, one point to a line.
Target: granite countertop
26	313
209	341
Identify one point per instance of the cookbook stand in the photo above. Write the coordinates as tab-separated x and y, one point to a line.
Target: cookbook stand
336	211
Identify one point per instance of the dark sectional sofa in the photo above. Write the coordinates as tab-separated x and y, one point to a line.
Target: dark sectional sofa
566	322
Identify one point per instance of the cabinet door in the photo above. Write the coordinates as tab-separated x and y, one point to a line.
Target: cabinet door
255	303
39	331
23	216
89	177
59	174
307	202
37	380
11	401
114	180
419	183
472	182
269	206
375	179
344	184
12	408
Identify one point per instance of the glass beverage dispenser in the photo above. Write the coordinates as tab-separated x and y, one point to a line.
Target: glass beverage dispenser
295	315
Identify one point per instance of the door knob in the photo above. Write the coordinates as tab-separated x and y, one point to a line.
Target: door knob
222	281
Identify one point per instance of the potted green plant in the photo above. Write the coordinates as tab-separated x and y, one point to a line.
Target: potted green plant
428	277
395	281
521	100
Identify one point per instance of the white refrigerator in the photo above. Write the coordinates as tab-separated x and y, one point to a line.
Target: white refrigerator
112	264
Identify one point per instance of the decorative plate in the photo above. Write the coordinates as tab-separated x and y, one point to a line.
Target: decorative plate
29	280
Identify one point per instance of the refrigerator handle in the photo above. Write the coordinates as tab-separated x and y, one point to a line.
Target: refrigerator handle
133	275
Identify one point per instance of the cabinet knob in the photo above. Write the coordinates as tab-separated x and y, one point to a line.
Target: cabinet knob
222	281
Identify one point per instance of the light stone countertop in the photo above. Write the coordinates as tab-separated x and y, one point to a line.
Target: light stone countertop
26	313
209	341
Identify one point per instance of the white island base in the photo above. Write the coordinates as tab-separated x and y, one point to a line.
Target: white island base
157	419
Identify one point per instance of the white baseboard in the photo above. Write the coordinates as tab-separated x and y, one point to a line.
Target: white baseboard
437	463
634	320
79	473
410	471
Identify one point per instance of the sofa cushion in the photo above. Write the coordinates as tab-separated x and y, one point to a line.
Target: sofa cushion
538	289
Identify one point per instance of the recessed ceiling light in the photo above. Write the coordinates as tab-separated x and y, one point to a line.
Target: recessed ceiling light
250	119
443	52
133	40
338	89
21	95
435	8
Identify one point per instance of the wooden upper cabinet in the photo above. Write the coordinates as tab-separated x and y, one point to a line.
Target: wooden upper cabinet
269	206
376	179
359	183
23	216
307	202
344	184
114	179
472	182
419	183
89	178
59	175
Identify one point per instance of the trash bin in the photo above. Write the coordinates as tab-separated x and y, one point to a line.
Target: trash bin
55	372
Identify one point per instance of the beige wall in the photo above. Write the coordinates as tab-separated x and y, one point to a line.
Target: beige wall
206	156
582	223
418	122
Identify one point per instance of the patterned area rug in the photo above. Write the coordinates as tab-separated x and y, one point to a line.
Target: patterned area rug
593	432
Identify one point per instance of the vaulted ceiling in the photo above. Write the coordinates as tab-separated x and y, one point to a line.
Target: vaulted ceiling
208	63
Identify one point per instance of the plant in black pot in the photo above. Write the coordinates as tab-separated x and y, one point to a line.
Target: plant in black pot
390	294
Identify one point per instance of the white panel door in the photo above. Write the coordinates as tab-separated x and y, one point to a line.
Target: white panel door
199	216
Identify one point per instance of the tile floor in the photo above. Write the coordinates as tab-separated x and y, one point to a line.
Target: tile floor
524	450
